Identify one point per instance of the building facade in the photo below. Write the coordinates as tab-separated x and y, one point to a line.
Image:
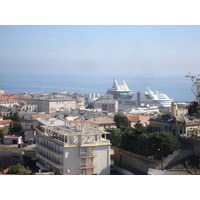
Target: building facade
177	122
101	123
109	105
75	150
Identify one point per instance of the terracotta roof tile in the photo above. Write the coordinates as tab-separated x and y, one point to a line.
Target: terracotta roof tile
41	115
78	122
8	121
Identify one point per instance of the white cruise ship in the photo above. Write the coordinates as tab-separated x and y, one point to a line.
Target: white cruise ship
124	96
152	97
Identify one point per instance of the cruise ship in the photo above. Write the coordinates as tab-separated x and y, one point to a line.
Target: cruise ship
123	94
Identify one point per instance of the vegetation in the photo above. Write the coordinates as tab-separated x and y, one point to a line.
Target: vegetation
14	116
17	169
90	105
121	121
194	108
160	144
4	131
195	86
114	136
138	139
14	128
11	148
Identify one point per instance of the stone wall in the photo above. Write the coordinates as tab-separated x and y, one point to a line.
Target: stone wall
143	163
194	143
135	161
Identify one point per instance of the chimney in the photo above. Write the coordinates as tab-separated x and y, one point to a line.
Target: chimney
173	109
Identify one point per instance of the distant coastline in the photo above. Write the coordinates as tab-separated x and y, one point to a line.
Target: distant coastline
177	88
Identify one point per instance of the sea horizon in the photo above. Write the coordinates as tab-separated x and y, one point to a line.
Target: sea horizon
175	87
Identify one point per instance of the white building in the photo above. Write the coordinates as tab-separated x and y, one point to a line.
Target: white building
12	139
73	149
91	97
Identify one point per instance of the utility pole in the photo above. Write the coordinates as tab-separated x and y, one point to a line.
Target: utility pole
161	153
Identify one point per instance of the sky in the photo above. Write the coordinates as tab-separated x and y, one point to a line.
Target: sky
98	49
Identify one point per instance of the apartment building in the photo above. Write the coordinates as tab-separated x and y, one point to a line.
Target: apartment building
176	122
101	123
73	150
109	105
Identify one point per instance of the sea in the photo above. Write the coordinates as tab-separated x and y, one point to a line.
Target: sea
177	88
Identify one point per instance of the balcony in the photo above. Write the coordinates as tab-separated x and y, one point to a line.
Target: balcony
85	166
51	162
41	166
111	151
58	155
112	162
86	155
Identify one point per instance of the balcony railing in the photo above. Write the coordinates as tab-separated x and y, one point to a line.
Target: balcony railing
112	162
48	149
111	151
85	166
85	154
41	166
51	162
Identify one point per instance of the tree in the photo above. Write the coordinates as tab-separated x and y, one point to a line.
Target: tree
196	85
193	108
121	120
90	106
14	116
139	128
17	169
16	127
114	136
161	144
4	131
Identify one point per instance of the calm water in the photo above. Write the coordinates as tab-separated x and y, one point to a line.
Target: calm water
177	88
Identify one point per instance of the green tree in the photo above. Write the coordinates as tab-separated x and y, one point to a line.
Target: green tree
139	128
16	127
193	108
161	144
4	131
17	169
90	105
121	120
114	136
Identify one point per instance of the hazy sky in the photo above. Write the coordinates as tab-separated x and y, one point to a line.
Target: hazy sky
139	50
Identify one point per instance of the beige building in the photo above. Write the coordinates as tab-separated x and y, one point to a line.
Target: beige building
73	149
176	122
109	105
101	123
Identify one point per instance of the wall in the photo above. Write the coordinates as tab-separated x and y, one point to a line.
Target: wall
102	160
143	163
122	171
72	161
195	145
135	161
